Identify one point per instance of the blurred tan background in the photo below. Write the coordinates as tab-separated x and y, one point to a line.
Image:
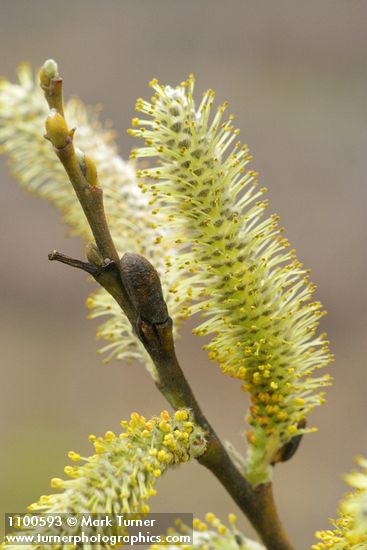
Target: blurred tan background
295	74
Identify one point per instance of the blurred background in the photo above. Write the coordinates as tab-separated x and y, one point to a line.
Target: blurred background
295	75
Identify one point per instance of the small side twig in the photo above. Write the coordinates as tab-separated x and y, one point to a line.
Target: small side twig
108	276
72	262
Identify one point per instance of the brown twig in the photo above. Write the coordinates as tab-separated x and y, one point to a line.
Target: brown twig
135	285
157	338
153	327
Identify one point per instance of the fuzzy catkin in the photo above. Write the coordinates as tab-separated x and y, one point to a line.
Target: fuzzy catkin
349	530
211	534
121	476
254	292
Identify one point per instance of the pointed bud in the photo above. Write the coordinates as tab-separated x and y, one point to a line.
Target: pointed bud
93	255
48	72
81	159
56	130
90	171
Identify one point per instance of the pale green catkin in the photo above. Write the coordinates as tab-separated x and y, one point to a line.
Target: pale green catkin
121	476
350	528
254	292
211	534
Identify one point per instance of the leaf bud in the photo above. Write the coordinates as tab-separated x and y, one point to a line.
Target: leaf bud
56	130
